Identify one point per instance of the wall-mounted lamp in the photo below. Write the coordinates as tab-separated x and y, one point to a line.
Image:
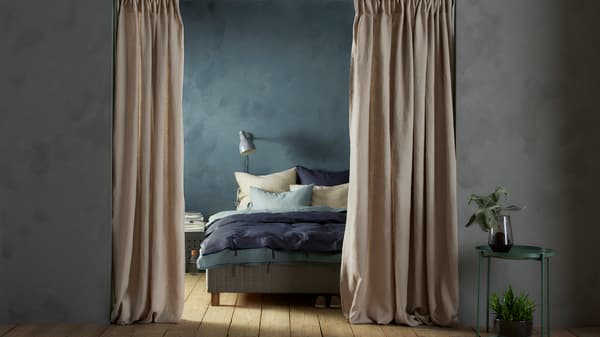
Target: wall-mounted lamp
246	143
247	147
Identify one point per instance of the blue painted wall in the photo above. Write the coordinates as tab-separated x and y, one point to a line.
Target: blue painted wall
277	68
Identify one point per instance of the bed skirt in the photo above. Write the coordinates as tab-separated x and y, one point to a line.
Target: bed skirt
298	278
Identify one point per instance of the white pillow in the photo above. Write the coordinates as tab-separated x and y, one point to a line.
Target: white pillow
274	182
329	196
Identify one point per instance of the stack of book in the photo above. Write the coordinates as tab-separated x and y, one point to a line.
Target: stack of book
194	222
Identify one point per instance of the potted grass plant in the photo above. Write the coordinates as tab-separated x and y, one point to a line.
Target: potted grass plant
514	314
491	217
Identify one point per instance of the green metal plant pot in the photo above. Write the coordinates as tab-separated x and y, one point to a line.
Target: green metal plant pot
513	328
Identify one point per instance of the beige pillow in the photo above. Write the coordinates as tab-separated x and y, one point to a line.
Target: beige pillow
329	196
274	182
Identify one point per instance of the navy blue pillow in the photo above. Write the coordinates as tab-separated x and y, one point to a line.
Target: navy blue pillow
307	176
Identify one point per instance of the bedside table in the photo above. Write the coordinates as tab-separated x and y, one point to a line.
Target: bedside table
194	234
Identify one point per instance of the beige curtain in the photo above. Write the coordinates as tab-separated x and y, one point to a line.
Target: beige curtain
148	205
400	259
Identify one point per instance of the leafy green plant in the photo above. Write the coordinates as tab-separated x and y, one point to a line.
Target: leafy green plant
489	207
512	308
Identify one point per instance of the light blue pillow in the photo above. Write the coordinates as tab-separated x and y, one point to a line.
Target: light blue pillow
261	199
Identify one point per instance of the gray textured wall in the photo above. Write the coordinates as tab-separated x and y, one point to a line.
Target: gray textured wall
276	68
55	172
527	117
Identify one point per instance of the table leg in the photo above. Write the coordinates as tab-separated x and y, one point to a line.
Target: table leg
478	291
542	300
548	296
487	296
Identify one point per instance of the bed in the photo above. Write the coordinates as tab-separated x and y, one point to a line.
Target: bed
279	251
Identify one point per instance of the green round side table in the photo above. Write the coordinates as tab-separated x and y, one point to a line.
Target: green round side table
517	253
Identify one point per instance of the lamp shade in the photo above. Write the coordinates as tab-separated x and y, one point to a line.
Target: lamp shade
246	143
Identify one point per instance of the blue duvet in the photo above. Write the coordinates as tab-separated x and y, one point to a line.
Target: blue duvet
310	230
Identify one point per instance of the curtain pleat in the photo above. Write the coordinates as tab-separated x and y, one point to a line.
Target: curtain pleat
148	204
400	255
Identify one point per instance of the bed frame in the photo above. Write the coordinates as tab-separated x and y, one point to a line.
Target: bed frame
297	278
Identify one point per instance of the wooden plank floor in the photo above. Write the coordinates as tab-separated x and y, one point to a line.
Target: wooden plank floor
250	315
586	332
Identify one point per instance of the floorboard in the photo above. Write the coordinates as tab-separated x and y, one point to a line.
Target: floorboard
30	330
57	330
84	330
275	317
304	321
197	301
4	329
183	329
367	330
217	320
333	323
138	330
398	331
245	321
190	283
444	332
583	332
